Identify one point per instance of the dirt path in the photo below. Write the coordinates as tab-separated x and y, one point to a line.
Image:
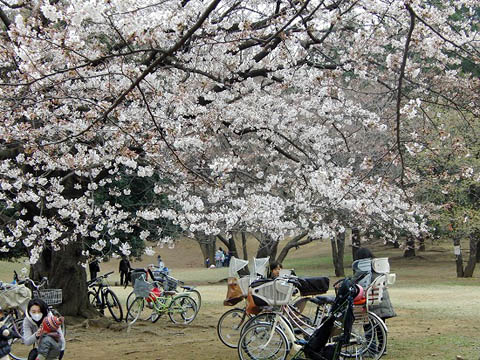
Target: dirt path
144	340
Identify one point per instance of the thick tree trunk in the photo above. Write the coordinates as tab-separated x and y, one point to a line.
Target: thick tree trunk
409	248
64	272
472	259
338	249
207	245
478	252
356	244
421	243
267	248
458	256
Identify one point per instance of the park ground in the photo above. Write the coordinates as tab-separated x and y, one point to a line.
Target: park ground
438	314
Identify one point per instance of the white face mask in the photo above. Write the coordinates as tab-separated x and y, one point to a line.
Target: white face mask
36	317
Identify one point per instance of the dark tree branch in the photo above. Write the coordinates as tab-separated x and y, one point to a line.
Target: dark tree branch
399	92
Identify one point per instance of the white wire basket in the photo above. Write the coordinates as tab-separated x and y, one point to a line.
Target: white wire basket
276	292
142	288
50	296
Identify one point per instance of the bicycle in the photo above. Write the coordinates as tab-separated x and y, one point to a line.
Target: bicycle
273	335
101	296
51	297
151	303
232	321
167	282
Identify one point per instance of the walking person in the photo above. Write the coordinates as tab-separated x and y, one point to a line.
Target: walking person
124	268
37	311
94	268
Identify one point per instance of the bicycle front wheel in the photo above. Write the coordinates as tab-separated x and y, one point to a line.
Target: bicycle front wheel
229	326
182	309
263	341
136	310
367	340
113	305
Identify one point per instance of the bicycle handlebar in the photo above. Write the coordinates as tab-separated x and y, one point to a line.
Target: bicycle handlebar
42	283
98	278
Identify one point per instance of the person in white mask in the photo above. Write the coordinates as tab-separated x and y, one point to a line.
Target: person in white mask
37	310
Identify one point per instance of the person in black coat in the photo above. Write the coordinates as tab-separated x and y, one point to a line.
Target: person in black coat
94	268
124	268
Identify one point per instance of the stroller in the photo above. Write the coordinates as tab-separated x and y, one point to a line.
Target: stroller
334	331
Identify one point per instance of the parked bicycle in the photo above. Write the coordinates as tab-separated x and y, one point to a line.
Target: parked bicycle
15	316
101	296
151	303
165	281
276	334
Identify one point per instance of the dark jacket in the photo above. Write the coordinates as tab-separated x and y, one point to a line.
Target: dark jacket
94	267
124	265
4	346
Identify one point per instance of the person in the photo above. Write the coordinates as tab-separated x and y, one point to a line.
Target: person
219	257
161	264
94	268
124	268
207	262
384	309
6	335
274	269
37	311
49	346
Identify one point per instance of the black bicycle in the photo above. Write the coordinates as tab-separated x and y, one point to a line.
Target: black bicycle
101	296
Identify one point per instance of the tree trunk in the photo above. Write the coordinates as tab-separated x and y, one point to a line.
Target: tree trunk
295	242
267	248
338	249
356	244
458	256
64	272
244	246
472	259
421	243
207	245
409	248
478	252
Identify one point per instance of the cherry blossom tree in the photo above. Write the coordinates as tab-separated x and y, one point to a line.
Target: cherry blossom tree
274	117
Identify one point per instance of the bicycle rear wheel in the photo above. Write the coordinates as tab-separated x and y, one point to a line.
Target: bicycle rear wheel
229	326
367	340
195	294
113	305
262	341
182	309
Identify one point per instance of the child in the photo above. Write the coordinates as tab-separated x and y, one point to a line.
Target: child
5	335
49	346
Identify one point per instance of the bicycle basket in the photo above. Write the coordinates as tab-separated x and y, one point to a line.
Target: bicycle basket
50	296
136	274
14	297
142	288
276	292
